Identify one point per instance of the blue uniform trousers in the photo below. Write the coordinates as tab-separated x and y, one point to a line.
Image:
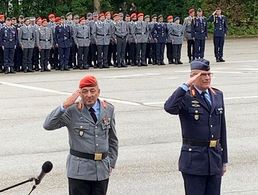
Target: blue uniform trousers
202	185
160	52
64	54
218	46
199	46
8	57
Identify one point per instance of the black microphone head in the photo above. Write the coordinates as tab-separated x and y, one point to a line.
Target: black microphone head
47	167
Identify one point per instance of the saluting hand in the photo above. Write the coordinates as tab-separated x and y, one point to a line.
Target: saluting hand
192	79
71	100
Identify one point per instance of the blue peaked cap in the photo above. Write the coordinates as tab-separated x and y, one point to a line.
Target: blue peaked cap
200	64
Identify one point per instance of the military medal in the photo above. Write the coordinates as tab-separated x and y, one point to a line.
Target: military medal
81	133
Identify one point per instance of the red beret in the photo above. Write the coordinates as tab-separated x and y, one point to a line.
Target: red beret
191	10
133	15
101	14
2	17
88	81
170	18
140	14
57	19
51	16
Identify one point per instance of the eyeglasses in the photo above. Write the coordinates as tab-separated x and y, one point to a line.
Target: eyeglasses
209	74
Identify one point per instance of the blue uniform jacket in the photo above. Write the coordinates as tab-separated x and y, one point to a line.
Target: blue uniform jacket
220	25
200	123
159	32
8	37
63	36
199	28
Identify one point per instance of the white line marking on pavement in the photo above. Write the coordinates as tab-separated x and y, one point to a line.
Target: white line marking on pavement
109	99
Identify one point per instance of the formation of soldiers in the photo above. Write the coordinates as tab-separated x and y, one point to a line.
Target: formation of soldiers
103	40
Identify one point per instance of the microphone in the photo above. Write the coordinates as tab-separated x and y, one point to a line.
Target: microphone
46	168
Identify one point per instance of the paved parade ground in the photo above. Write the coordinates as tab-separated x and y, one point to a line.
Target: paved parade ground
150	139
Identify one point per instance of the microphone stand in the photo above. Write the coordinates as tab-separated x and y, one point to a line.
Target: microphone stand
18	184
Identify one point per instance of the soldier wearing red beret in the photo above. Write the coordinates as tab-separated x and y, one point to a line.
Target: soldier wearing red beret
92	138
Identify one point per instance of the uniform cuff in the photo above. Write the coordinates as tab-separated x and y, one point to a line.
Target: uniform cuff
184	86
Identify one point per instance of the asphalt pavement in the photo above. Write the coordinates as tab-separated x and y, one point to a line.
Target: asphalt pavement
149	138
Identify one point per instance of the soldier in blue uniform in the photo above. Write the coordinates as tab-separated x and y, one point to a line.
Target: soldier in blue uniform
199	33
220	31
1	50
63	40
159	33
201	111
8	42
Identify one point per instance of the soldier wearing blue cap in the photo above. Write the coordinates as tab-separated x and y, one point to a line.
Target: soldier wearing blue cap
201	111
220	30
199	33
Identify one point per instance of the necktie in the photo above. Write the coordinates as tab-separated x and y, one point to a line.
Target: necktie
93	115
204	95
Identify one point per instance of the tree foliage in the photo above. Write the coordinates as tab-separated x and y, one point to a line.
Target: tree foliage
242	15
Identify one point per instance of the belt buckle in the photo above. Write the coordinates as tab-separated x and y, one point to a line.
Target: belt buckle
98	156
213	143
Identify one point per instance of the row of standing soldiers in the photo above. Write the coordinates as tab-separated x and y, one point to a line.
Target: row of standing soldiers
100	42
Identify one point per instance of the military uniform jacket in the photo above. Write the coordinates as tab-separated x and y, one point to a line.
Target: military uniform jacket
88	137
63	36
150	27
220	25
131	38
199	28
82	35
188	28
8	37
177	33
44	38
159	32
169	31
141	32
121	29
200	123
27	36
102	32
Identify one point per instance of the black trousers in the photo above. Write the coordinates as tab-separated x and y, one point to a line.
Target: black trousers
132	53
44	58
93	54
170	52
84	187
140	53
160	52
72	58
153	51
8	57
102	56
218	46
1	58
53	59
127	59
82	57
177	51
112	54
190	49
199	47
64	54
202	185
120	47
35	58
27	58
18	58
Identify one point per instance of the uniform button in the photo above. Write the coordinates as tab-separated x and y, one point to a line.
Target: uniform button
81	127
212	136
190	149
96	135
81	118
210	116
97	144
96	127
196	111
211	125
